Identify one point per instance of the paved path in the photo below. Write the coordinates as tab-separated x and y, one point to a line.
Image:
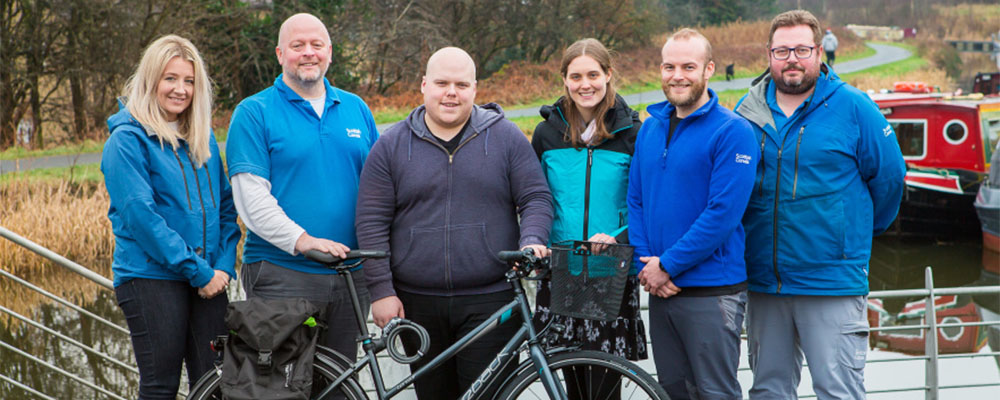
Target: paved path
884	54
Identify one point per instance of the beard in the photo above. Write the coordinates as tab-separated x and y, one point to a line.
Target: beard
794	86
308	79
692	97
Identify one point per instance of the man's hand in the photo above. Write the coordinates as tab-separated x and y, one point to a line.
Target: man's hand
655	280
307	242
385	309
599	240
215	286
539	249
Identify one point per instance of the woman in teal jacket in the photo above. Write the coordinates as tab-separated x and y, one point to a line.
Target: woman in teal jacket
585	145
172	215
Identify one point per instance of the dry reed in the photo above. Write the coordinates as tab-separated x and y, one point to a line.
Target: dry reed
68	218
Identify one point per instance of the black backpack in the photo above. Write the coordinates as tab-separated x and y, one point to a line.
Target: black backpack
269	353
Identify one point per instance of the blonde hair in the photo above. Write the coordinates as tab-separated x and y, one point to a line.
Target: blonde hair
195	123
594	49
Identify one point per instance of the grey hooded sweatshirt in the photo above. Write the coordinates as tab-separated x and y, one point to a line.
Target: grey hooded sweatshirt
445	216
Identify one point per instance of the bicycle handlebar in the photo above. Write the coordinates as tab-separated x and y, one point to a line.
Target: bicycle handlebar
331	260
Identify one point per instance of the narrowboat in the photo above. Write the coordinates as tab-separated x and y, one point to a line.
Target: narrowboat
947	309
947	143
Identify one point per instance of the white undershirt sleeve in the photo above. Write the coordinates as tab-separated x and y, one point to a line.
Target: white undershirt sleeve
261	213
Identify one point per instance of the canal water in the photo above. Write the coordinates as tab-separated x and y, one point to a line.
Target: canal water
897	263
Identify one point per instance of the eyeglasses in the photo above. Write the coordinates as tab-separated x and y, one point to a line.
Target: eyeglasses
782	53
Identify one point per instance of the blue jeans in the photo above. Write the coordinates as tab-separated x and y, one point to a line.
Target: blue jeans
170	323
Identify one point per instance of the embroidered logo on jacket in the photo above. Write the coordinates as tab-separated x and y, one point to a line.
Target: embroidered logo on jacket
887	130
743	158
356	133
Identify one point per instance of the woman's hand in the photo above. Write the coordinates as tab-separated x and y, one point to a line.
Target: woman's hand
215	286
599	241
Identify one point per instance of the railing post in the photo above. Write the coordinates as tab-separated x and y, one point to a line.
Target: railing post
930	339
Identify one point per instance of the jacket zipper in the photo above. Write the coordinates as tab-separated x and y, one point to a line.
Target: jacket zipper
204	218
777	193
795	181
763	168
586	194
447	206
187	194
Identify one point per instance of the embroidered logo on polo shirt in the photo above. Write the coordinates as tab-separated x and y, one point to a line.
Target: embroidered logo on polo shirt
743	158
353	132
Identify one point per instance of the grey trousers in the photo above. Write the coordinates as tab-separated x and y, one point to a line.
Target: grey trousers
267	280
696	345
830	331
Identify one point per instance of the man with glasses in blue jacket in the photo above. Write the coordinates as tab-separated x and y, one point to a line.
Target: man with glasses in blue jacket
830	178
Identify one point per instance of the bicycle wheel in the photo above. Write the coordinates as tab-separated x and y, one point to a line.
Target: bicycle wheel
587	375
324	371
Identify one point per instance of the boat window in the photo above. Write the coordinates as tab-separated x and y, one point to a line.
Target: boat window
911	135
955	131
992	126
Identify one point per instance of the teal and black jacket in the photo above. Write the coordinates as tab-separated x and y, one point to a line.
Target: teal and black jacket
589	184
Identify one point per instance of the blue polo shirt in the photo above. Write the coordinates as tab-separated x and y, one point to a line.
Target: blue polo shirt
313	163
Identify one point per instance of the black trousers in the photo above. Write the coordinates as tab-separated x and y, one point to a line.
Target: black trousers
830	56
447	319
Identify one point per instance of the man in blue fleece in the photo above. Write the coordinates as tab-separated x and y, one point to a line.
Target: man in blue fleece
443	190
689	183
831	177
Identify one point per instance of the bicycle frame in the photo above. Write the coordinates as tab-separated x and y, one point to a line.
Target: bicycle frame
490	375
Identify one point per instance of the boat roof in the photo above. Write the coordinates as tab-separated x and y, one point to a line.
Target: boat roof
901	99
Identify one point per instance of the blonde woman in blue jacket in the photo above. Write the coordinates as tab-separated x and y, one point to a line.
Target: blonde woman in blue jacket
172	214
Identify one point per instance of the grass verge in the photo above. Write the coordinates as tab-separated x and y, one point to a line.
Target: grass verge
89	173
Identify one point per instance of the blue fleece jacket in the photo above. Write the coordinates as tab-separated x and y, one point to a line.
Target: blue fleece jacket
831	177
172	220
685	202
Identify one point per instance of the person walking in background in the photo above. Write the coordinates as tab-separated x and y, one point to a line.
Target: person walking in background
172	215
689	183
445	190
831	177
585	145
830	47
295	154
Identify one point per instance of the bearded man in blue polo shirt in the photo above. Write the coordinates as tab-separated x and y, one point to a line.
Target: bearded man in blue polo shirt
295	153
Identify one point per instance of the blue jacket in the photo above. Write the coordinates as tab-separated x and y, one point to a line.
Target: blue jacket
588	183
171	220
829	179
685	204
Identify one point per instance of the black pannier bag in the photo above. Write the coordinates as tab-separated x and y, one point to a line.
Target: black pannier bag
269	353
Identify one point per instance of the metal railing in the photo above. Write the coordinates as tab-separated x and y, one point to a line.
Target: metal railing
932	356
82	271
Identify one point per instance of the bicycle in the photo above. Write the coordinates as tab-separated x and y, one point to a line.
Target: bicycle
540	375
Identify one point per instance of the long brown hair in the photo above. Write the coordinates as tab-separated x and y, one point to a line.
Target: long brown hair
595	50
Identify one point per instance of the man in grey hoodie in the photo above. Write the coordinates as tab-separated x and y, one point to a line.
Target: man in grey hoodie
830	47
443	191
